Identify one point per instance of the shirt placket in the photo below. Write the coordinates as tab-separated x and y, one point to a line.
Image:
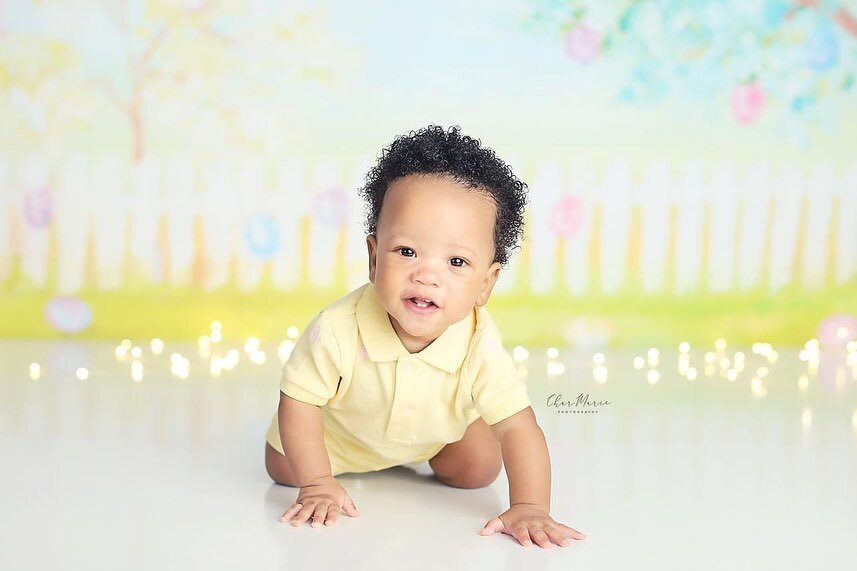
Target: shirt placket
403	419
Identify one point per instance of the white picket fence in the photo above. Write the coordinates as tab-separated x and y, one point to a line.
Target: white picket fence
753	212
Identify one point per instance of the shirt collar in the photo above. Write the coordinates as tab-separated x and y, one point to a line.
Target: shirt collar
447	352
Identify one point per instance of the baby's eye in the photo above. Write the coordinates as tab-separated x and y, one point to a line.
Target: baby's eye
458	262
407	252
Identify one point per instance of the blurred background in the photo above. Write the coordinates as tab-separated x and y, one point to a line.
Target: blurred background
178	198
167	164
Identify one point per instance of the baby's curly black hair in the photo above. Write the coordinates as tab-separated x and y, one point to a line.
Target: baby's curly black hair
434	151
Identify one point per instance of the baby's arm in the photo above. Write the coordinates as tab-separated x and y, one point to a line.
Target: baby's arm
302	433
501	398
525	455
527	462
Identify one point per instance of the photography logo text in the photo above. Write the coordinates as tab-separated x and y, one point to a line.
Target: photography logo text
583	404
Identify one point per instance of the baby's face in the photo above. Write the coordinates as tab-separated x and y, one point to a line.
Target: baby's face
435	241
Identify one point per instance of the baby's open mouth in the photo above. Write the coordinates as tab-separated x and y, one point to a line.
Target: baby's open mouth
424	303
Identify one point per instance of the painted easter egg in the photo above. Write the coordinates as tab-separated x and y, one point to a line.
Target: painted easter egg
747	102
832	374
330	207
38	208
822	49
262	235
68	314
583	43
837	330
567	216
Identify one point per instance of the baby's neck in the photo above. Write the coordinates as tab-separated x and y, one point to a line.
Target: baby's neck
415	346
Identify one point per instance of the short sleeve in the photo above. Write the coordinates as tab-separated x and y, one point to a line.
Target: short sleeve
498	391
312	373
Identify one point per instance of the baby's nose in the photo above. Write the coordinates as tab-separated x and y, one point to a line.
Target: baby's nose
425	275
425	279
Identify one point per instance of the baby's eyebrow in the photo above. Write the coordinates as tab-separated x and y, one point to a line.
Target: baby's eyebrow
466	250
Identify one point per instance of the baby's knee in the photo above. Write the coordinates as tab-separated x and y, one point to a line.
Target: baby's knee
483	476
473	475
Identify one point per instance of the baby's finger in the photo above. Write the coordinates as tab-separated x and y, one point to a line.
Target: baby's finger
493	526
555	535
522	535
572	533
304	514
319	514
350	508
540	537
290	512
332	514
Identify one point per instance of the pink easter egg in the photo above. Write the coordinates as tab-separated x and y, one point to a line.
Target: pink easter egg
583	43
747	102
837	330
330	207
832	373
68	314
38	208
567	216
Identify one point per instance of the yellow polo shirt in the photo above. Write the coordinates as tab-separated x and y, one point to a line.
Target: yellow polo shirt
383	406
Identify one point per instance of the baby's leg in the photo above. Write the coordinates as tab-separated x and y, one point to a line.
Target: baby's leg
278	466
472	462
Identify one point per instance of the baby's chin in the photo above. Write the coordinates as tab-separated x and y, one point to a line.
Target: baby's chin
418	333
424	334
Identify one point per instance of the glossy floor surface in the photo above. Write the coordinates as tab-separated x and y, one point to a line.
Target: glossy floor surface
759	472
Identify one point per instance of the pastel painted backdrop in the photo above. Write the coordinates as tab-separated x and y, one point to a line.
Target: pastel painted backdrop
692	165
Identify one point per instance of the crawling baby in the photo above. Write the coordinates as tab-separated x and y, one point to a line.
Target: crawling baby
410	367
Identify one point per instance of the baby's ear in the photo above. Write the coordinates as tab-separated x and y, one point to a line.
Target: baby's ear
488	284
372	246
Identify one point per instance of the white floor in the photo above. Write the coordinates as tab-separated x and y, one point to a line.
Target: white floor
167	473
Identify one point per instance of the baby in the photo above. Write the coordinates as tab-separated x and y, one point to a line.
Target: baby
410	367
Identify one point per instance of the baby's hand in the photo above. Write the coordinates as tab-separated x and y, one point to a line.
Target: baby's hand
528	523
322	502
